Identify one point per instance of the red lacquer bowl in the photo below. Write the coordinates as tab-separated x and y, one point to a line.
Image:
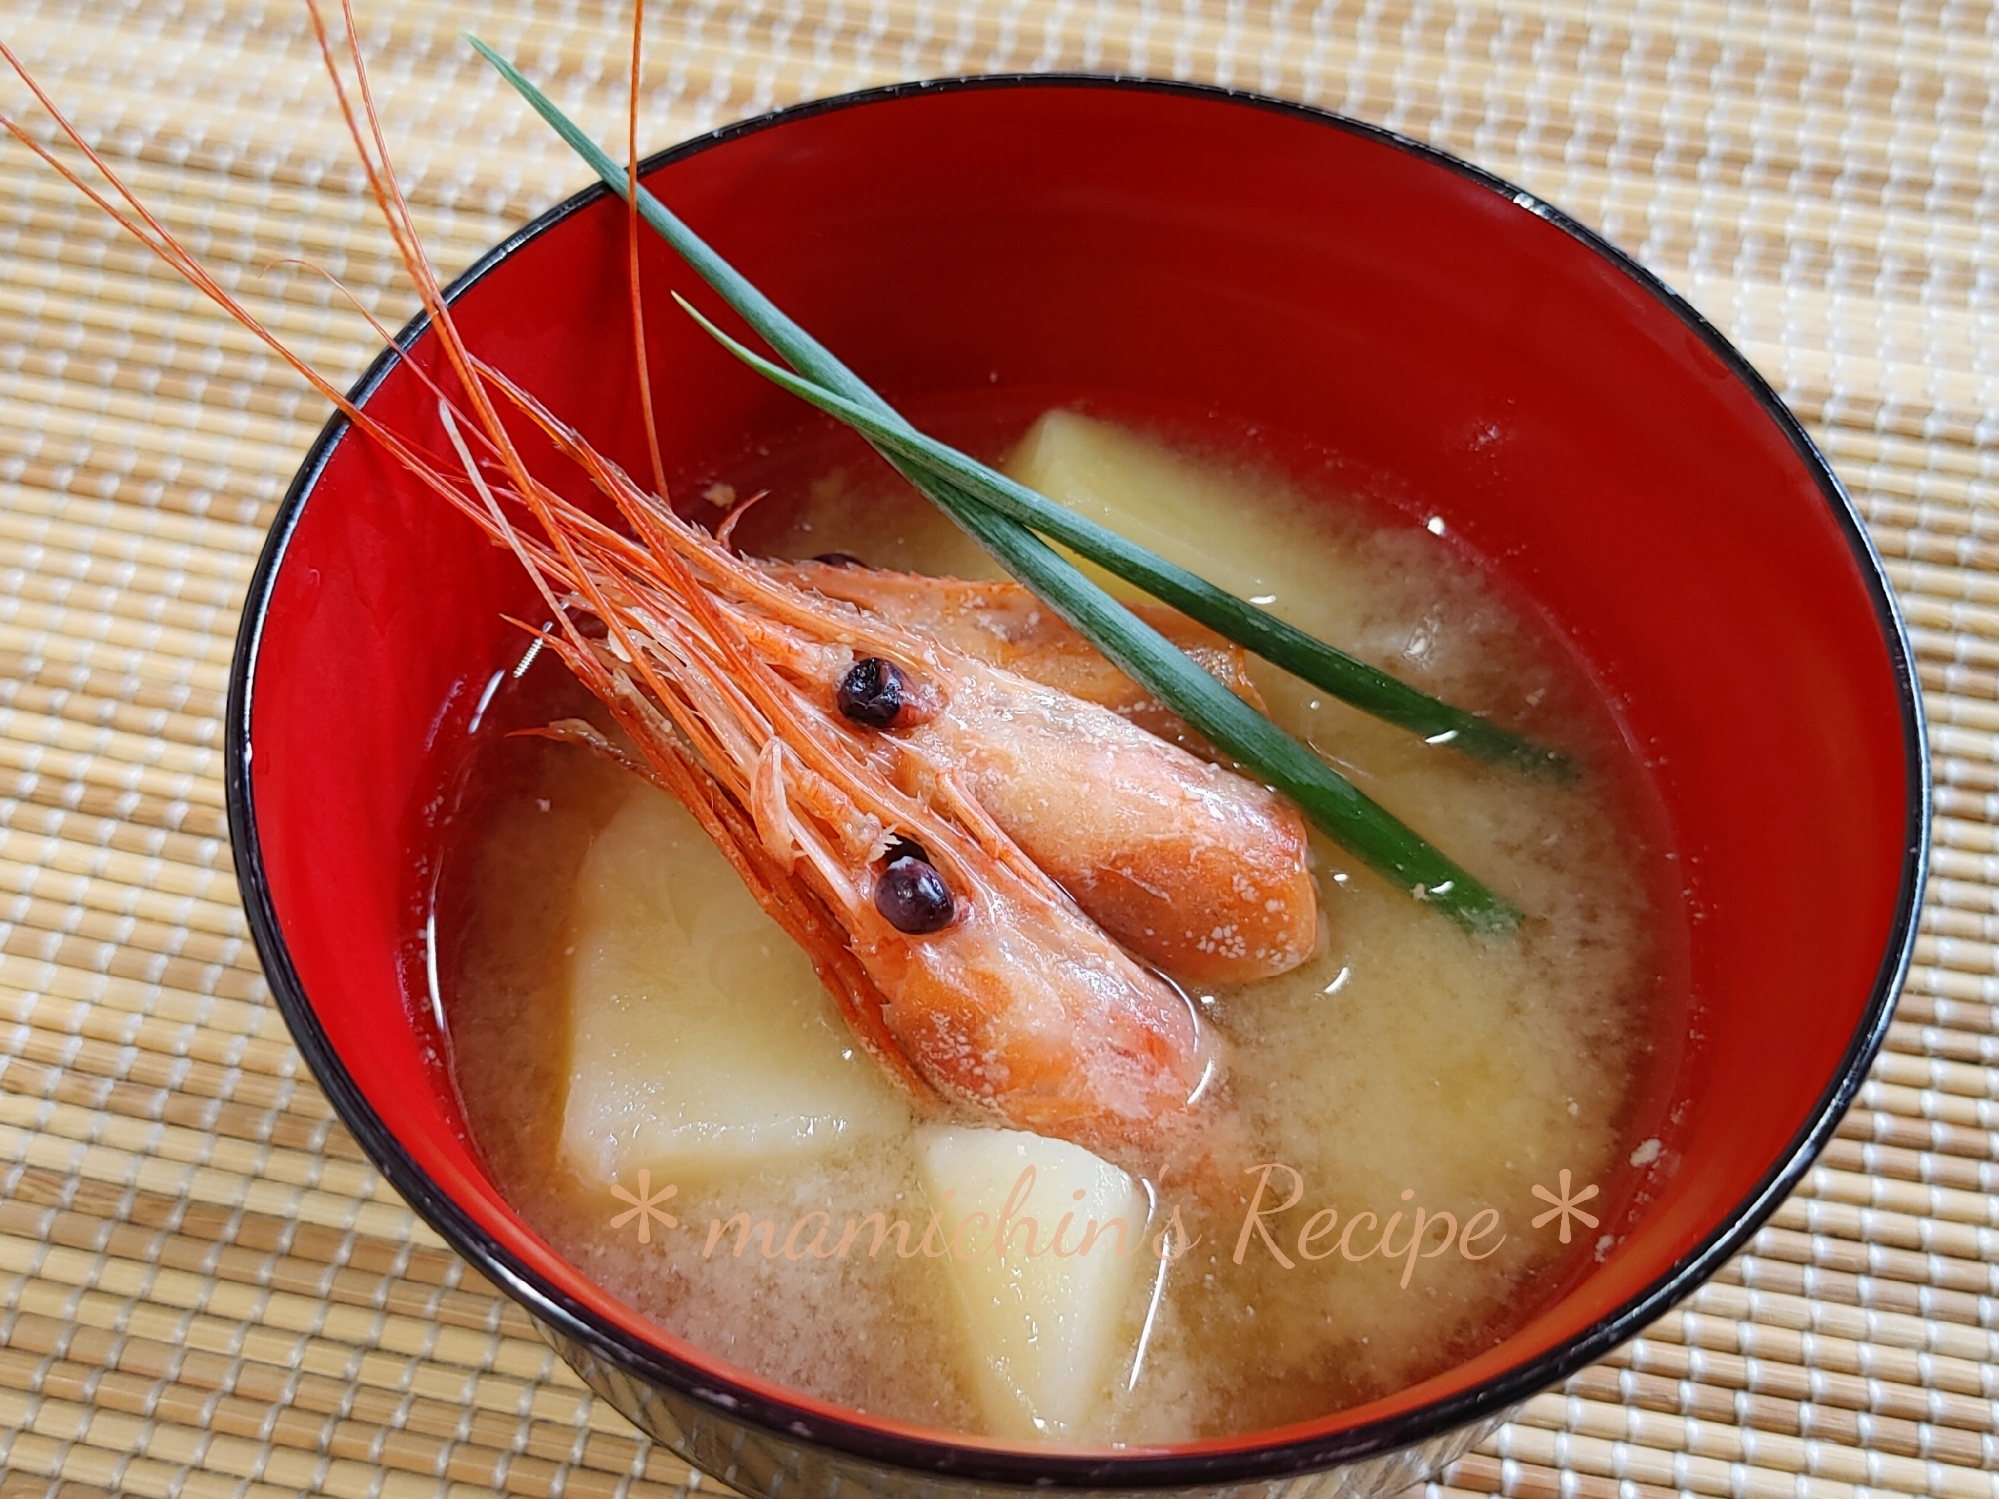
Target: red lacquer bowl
1576	425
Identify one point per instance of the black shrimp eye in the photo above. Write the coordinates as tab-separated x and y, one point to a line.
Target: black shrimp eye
871	692
905	848
839	559
912	897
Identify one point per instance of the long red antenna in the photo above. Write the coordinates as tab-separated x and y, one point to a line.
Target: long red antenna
572	538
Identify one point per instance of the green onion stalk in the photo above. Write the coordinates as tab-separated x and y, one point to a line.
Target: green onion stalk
1010	521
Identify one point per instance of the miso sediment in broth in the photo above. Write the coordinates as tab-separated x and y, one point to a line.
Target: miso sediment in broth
618	1005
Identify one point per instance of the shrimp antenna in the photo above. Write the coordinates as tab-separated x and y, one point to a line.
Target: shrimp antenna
372	148
143	225
561	558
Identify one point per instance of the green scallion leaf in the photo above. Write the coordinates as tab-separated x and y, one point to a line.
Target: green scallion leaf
992	510
1346	677
1351	680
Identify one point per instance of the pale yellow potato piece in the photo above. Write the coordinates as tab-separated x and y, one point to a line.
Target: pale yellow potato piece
1188	512
1043	1331
701	1040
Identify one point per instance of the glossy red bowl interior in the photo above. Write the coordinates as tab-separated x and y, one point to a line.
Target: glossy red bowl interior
1576	426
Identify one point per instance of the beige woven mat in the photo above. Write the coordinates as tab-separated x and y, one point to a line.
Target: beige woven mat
204	1289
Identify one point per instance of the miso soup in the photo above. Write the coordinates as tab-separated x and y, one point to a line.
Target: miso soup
1435	1133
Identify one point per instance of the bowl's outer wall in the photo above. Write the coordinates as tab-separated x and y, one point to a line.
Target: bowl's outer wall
1564	422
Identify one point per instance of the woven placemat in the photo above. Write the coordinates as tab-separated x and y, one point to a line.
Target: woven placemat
205	1289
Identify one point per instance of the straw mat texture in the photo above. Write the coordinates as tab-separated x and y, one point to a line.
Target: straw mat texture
205	1290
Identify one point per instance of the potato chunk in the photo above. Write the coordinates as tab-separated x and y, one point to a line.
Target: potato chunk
1186	511
701	1040
1045	1319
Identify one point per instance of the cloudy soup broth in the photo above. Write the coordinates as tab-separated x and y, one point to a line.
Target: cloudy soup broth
1431	1134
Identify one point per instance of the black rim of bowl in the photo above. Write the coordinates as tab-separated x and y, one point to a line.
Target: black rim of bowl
787	1423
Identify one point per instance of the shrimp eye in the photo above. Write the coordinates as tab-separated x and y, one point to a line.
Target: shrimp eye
912	896
839	559
871	692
